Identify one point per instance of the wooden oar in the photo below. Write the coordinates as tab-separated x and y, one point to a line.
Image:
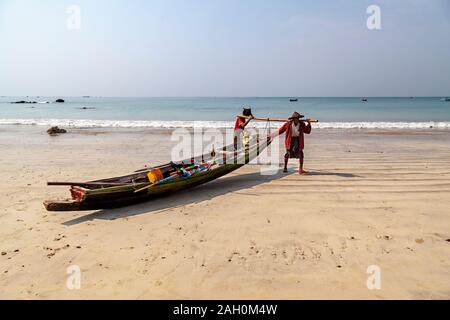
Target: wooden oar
144	188
151	184
159	167
276	120
98	184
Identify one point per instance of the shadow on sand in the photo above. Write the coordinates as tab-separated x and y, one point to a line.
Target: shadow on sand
338	174
201	193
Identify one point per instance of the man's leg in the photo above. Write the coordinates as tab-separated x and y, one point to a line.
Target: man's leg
300	170
286	159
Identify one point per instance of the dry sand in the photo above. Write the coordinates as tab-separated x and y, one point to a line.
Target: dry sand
371	198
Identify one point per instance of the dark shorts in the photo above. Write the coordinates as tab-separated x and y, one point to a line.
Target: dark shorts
294	152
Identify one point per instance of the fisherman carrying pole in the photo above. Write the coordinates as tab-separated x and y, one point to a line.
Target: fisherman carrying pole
241	136
294	140
295	127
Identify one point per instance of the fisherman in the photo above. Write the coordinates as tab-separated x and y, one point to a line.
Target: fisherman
241	136
294	140
242	122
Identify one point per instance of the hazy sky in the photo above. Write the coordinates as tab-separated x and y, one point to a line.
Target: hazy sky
225	48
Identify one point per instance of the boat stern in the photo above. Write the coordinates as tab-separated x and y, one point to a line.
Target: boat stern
78	196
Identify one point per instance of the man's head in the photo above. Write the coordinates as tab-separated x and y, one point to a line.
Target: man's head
247	112
296	117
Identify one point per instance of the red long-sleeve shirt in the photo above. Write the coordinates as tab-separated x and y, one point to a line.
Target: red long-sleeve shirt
287	128
239	123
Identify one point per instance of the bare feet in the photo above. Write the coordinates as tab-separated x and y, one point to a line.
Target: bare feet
285	170
301	171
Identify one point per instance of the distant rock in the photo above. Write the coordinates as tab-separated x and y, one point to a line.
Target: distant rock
56	130
23	102
59	101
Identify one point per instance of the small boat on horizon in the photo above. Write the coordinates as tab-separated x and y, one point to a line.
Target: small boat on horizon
364	99
293	100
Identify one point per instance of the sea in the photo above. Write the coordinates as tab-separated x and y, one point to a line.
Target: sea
220	112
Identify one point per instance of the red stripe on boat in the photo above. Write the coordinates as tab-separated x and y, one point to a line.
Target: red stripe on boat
78	193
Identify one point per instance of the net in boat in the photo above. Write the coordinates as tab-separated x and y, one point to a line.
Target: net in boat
245	148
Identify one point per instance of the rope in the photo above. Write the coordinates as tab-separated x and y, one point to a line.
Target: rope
268	126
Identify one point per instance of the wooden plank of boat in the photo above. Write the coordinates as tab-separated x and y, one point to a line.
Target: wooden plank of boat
87	184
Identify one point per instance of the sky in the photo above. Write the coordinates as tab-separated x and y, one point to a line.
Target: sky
195	48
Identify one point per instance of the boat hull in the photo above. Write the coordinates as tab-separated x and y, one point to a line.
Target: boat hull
100	195
124	196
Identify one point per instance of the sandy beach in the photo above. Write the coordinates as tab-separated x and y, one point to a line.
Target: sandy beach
372	197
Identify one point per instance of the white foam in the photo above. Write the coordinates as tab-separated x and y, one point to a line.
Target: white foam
216	124
384	125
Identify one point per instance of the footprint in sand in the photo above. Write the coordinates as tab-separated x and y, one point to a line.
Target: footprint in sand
54	251
59	237
386	237
127	248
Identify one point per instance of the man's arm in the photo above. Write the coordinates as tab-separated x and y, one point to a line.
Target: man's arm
244	124
307	128
281	130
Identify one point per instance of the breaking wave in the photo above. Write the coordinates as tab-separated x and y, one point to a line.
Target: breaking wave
216	124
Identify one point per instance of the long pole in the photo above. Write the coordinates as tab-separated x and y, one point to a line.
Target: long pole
276	120
88	184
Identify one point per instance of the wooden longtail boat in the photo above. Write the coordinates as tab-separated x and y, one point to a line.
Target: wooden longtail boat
136	188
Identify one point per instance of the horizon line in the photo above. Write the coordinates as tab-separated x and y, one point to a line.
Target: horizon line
219	97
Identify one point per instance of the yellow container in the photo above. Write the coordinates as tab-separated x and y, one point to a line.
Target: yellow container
155	176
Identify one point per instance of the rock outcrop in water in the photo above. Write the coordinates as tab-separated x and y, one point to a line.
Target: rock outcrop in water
23	102
56	130
59	101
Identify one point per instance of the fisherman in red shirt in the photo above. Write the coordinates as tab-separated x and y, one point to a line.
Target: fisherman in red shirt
241	136
241	122
294	140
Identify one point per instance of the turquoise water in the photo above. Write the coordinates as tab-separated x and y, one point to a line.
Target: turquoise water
161	111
